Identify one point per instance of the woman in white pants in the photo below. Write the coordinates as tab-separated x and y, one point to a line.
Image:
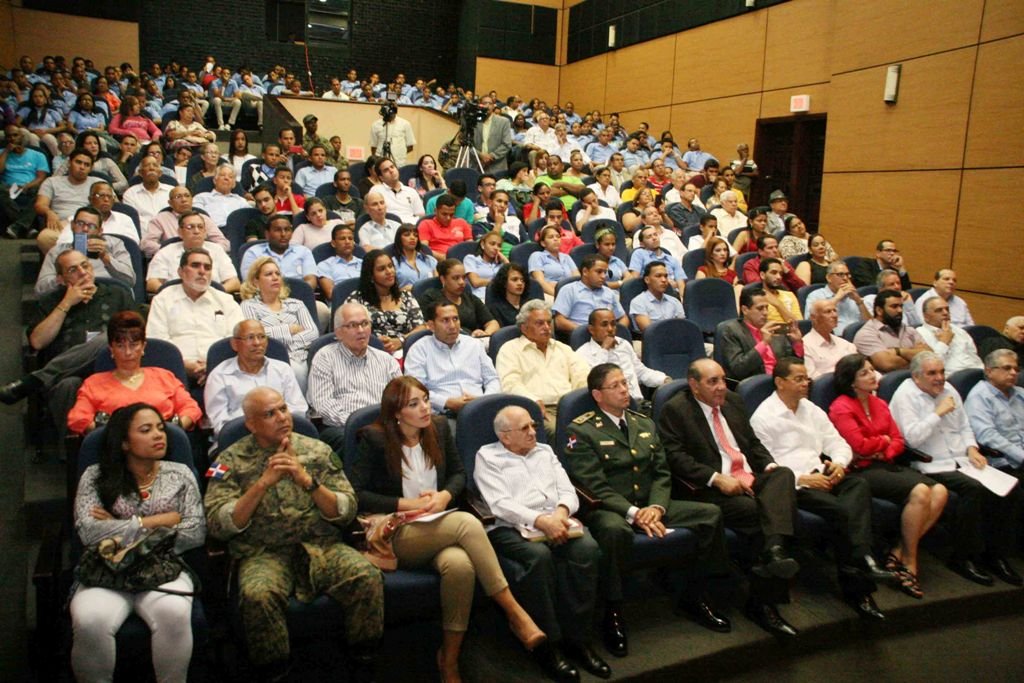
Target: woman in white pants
131	491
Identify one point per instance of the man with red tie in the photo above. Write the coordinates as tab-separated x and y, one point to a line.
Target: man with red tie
715	457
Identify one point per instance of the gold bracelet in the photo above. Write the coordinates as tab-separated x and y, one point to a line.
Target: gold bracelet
65	311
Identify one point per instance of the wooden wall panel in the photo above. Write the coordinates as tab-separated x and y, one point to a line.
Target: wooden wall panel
719	124
102	40
659	119
719	60
635	80
8	57
990	310
995	135
583	83
987	244
775	103
916	209
1002	18
924	129
517	78
798	44
871	32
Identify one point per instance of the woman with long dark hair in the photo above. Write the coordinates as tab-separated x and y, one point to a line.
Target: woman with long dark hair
865	422
428	176
413	260
394	312
131	491
238	151
408	463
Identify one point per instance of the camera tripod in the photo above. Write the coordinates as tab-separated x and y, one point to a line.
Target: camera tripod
468	157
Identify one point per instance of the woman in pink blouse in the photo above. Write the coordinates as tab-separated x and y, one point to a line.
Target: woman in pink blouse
865	422
128	382
130	121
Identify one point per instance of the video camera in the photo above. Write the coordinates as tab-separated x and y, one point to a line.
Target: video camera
389	109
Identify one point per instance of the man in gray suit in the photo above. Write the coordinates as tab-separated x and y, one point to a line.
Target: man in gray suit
493	138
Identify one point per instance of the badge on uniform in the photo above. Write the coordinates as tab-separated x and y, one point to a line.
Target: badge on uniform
217	471
572	441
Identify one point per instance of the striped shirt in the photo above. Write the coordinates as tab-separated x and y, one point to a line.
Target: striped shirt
278	324
341	382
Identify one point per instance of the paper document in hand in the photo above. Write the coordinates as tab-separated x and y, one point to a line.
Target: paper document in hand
531	533
996	481
427	518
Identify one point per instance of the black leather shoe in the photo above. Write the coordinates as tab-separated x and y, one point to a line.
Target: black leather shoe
867	568
701	611
614	632
768	618
865	606
555	665
1002	570
776	563
12	392
585	655
971	572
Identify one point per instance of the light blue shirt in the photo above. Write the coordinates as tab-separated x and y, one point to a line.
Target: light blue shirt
337	269
616	269
576	300
485	269
408	275
696	160
86	120
451	371
296	261
641	257
554	269
600	154
637	158
848	310
309	179
998	422
665	308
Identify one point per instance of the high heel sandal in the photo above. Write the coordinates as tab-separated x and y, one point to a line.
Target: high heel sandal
910	585
531	639
893	564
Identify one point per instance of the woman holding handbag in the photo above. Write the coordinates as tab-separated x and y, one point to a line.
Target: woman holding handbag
131	492
407	463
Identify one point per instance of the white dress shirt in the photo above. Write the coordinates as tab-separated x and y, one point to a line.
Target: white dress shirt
164	265
944	438
402	201
451	371
147	203
623	355
821	356
219	206
796	440
520	488
958	354
959	314
227	384
192	326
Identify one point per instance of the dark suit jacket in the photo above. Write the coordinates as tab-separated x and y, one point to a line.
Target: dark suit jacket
499	142
866	273
736	350
379	491
690	446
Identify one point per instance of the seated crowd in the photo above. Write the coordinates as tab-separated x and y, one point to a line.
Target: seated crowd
573	244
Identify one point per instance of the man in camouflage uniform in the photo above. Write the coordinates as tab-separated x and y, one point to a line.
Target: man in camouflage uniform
625	468
280	500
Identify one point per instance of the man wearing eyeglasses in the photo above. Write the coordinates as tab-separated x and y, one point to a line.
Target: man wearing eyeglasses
68	329
192	231
840	291
164	225
348	375
192	315
886	256
107	255
229	382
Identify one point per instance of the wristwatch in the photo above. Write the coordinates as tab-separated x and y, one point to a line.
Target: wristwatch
313	485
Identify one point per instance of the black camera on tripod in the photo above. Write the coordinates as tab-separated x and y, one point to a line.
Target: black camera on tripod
388	110
473	114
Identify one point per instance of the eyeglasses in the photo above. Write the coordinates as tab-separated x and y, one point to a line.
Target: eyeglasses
621	384
356	325
85	225
102	195
250	338
193	228
83	267
1007	368
840	274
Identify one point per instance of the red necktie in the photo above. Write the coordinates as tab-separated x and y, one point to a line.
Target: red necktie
736	471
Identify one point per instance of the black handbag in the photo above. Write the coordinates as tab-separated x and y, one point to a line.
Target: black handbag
143	565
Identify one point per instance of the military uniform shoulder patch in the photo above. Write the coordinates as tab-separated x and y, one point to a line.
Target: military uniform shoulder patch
584	417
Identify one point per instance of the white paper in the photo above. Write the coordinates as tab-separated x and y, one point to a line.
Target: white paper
14	191
995	480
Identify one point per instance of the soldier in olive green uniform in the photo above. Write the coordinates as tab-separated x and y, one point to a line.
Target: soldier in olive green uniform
280	500
627	471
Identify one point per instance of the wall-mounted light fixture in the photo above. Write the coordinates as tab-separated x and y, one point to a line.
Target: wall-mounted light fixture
611	36
892	83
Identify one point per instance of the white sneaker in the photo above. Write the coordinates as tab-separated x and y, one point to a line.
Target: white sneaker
225	127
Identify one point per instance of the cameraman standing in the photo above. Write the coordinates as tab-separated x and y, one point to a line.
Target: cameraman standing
399	137
493	138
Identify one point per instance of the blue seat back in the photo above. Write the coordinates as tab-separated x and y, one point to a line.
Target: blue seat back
692	260
221	351
754	390
301	290
135	254
804	292
581	335
159	354
499	338
521	254
890	383
964	380
709	302
475	426
342	291
671	345
357	419
823	391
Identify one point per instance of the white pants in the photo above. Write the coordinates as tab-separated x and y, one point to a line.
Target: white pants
97	614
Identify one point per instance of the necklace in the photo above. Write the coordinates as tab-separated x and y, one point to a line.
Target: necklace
146	484
130	379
